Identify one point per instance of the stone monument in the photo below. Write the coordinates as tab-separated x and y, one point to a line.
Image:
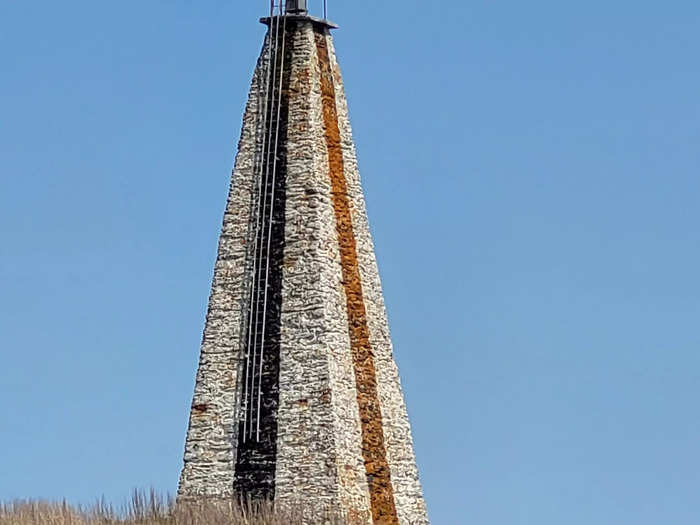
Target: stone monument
297	395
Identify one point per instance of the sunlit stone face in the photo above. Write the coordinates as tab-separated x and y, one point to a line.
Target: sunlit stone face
297	396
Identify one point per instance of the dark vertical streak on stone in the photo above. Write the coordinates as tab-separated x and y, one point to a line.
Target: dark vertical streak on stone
373	448
256	460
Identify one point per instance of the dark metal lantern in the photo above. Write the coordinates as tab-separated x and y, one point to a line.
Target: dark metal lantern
296	6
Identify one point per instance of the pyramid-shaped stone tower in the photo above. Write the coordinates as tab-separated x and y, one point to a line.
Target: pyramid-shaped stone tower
297	395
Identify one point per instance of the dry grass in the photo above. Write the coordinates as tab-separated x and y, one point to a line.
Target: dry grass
152	509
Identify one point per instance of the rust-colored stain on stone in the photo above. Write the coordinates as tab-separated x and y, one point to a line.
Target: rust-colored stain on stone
373	448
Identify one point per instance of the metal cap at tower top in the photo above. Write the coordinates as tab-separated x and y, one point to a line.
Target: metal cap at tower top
297	10
301	7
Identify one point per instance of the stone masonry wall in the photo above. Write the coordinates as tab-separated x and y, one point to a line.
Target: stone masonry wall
408	495
320	460
210	444
305	460
343	435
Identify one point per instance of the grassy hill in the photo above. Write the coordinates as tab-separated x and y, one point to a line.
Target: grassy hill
152	509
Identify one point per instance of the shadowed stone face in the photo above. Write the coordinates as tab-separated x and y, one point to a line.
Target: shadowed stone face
297	396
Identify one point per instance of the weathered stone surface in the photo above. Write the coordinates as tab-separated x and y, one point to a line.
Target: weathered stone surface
210	445
410	504
343	438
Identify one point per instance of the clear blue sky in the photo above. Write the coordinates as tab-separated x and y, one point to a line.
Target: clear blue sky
532	178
